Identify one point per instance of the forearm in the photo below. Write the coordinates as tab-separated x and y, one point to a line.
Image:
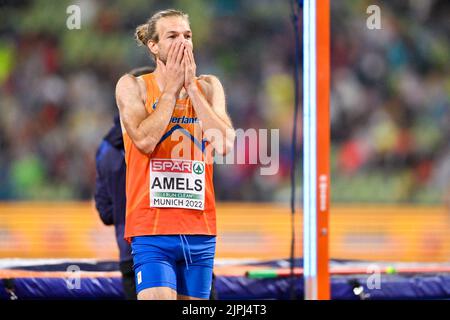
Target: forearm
208	118
218	131
152	128
144	128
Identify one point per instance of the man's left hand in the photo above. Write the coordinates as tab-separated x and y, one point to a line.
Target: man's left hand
190	68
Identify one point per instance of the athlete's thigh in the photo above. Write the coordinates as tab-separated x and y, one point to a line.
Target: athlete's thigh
182	297
157	293
154	267
194	276
194	281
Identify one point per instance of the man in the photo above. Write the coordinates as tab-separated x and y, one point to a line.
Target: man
170	219
109	196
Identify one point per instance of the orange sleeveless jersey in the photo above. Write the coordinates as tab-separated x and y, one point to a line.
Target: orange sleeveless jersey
141	218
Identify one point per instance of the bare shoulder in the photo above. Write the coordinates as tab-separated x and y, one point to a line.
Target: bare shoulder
130	85
209	83
126	81
209	79
142	88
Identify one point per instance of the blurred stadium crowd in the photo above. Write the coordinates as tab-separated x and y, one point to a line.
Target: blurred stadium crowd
390	100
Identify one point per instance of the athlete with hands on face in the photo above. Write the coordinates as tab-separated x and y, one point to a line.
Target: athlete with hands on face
175	74
171	215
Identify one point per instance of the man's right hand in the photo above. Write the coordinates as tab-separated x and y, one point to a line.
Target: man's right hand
173	70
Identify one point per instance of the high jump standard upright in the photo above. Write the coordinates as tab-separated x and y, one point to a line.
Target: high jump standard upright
316	148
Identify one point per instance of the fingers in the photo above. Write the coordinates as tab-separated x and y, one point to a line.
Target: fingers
185	57
180	53
186	70
189	66
185	60
189	55
171	50
188	45
192	56
174	51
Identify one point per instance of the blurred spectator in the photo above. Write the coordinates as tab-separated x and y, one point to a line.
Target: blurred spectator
110	199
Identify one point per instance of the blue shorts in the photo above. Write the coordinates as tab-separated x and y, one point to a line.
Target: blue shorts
181	262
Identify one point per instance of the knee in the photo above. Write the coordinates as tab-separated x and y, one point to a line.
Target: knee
157	293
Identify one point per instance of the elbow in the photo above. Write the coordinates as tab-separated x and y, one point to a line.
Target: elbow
145	146
105	212
107	220
228	145
230	138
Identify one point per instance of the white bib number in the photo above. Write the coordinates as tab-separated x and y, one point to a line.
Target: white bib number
176	183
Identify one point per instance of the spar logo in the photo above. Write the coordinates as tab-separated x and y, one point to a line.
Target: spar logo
198	168
177	166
